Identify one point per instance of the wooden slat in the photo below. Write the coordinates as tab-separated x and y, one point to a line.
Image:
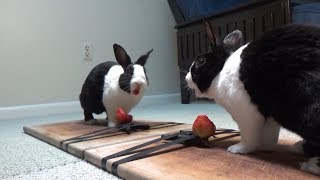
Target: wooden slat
279	16
180	49
245	30
181	162
57	132
258	27
184	47
203	41
190	47
197	49
286	15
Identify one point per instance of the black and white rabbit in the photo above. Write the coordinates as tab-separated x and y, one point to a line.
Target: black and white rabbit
271	82
111	85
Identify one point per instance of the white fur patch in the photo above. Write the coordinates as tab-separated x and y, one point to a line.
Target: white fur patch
229	91
139	77
311	165
114	97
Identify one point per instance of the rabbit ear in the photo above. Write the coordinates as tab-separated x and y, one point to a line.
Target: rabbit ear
121	55
143	59
210	33
233	40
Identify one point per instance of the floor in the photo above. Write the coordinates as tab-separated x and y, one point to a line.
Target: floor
24	157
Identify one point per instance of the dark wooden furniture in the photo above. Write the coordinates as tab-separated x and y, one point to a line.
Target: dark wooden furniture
253	19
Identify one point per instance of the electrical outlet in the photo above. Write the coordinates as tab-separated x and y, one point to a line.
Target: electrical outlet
87	50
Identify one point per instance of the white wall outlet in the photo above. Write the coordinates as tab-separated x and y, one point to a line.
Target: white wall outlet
87	51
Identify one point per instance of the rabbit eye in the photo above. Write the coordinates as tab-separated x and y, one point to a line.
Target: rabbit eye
200	62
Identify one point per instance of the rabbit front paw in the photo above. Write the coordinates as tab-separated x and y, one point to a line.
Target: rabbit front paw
111	123
240	149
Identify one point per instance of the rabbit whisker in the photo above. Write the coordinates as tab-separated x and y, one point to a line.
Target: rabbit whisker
184	72
184	83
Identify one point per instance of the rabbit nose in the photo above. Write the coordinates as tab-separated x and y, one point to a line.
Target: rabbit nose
138	84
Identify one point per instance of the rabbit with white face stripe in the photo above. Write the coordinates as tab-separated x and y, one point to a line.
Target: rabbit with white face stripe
111	85
271	82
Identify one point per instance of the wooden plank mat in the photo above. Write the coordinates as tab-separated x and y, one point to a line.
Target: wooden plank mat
56	134
190	162
174	162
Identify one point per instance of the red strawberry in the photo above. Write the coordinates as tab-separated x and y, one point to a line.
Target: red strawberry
123	117
203	127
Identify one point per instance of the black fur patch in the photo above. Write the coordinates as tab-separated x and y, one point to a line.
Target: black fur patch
207	66
281	73
311	149
144	70
92	89
125	78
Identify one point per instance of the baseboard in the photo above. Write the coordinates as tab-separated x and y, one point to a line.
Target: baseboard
37	110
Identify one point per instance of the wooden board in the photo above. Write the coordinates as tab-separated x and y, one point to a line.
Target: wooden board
56	133
189	162
174	162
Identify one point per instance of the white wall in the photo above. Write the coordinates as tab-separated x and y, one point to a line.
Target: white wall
40	45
